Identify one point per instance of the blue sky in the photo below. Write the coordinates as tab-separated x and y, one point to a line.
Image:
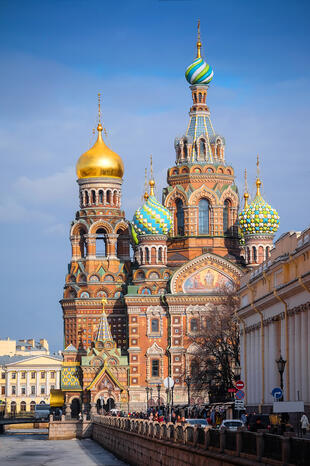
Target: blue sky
57	55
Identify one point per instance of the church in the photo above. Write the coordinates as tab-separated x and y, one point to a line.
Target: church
138	290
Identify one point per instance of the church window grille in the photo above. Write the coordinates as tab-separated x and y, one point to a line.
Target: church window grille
204	214
93	196
160	254
180	217
100	197
194	325
155	368
226	220
147	254
155	325
86	198
109	194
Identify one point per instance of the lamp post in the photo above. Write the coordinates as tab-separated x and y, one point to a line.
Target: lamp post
158	391
151	393
172	389
187	380
281	367
147	389
237	372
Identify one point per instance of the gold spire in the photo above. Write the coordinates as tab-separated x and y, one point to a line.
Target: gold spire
258	181
99	108
146	194
246	194
198	40
152	182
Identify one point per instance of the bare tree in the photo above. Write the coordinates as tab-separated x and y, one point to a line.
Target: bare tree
217	353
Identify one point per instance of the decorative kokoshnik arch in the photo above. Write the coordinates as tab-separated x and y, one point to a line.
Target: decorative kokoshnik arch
206	274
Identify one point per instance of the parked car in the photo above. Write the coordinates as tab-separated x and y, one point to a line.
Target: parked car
42	411
232	424
197	422
256	422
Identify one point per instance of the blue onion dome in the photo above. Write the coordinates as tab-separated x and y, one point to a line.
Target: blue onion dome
259	217
199	72
152	218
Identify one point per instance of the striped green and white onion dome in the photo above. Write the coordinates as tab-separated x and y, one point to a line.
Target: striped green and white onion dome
199	72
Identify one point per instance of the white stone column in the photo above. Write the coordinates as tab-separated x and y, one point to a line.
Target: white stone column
18	383
291	329
304	357
28	391
57	379
273	355
47	382
266	362
37	383
297	357
249	367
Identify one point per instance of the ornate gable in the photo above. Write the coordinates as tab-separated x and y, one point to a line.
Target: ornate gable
206	274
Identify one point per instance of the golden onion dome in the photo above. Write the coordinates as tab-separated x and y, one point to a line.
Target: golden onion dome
100	161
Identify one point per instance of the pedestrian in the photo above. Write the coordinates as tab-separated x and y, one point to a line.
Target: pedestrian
304	421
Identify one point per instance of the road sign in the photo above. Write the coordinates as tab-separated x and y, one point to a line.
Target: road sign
169	382
239	384
277	392
239	404
239	395
232	390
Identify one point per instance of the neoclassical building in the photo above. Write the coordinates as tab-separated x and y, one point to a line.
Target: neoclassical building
275	322
185	251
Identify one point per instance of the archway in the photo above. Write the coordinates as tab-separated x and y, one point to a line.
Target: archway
75	408
110	404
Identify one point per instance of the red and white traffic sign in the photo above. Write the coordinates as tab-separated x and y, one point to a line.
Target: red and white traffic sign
239	384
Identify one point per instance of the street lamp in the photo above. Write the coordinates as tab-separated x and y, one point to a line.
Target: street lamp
151	393
281	366
158	390
188	383
147	389
172	389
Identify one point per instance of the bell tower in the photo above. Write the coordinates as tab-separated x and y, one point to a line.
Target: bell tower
99	238
201	195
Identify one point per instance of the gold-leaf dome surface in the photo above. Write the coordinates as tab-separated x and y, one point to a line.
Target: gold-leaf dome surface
100	161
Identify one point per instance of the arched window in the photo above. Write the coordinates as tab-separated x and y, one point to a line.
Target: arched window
13	407
267	252
226	220
204	213
23	406
101	242
32	406
108	197
202	148
180	217
155	368
100	196
254	251
200	97
185	149
86	198
147	255
115	198
93	196
160	254
141	256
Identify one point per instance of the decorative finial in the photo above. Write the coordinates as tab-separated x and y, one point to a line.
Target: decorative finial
146	194
258	181
198	40
246	194
99	108
152	182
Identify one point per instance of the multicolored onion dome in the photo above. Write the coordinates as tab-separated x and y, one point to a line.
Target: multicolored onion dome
152	218
199	72
259	217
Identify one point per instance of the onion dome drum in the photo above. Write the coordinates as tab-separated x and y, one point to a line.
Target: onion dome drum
259	217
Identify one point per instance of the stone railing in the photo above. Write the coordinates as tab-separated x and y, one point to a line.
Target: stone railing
138	440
